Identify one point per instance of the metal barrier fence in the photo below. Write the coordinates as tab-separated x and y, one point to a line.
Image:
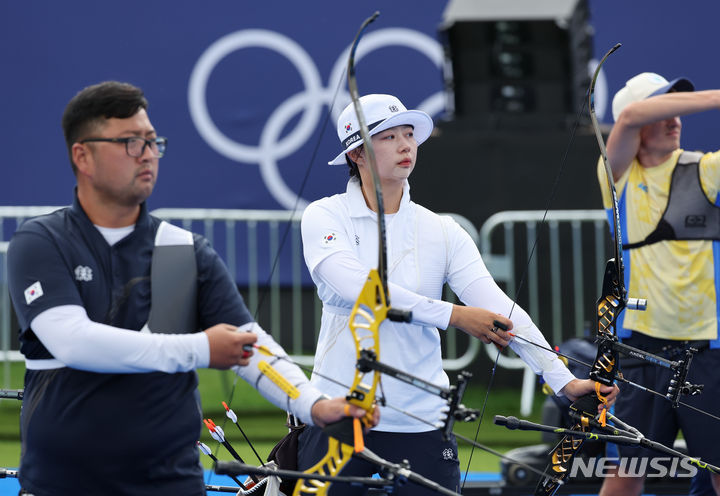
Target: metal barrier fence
249	242
10	218
561	280
7	354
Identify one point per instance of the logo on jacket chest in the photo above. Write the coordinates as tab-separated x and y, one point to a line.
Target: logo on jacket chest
83	273
695	221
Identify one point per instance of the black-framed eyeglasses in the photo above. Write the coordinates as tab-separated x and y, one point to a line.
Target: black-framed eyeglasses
135	145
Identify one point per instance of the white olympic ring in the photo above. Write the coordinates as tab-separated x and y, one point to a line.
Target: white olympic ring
310	102
219	50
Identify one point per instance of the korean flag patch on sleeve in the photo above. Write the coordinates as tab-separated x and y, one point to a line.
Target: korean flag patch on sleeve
33	292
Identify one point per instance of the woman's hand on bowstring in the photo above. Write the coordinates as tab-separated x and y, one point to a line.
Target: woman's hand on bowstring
481	323
327	411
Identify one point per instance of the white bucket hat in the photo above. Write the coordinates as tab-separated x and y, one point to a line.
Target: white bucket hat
381	112
643	86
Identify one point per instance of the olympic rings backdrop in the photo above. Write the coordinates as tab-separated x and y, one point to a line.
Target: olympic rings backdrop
242	89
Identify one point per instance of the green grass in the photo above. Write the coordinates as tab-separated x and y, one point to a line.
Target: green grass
264	424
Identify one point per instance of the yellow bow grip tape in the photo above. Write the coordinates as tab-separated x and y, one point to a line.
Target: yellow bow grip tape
278	379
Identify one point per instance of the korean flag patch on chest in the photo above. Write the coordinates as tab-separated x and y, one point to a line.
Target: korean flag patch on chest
33	292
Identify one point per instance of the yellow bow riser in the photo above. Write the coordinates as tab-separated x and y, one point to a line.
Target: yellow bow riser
369	311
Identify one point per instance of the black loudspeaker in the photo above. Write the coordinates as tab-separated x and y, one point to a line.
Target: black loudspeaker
508	59
476	171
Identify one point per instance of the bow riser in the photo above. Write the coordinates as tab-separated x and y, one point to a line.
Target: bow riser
609	306
367	314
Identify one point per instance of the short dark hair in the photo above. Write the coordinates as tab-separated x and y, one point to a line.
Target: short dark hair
91	105
353	170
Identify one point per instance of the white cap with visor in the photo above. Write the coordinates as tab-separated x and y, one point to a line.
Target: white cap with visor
381	112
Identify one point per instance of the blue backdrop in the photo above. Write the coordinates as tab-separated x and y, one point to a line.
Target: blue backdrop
241	88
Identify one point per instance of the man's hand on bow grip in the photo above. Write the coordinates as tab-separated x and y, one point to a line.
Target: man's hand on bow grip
580	387
226	346
328	411
480	323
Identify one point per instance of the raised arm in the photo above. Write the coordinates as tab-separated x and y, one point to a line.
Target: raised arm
624	141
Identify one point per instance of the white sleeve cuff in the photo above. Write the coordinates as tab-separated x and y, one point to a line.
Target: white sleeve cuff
432	313
301	406
202	350
541	361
